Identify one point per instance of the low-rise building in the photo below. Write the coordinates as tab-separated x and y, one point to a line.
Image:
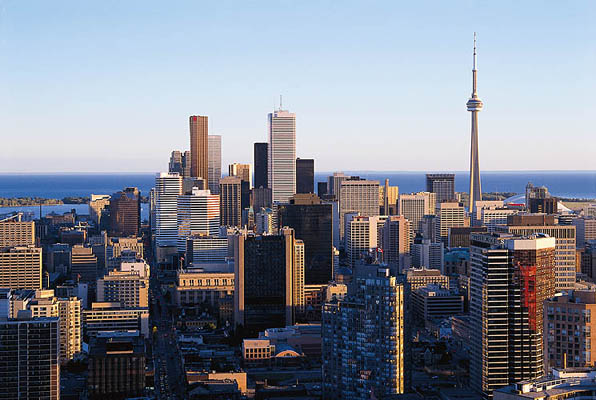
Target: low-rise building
435	302
112	317
420	277
563	384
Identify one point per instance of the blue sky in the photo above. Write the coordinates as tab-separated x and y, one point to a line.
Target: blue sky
109	85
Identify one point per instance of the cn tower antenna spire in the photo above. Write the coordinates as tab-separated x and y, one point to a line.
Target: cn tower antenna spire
474	106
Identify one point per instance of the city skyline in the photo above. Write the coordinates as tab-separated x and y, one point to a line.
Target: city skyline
148	114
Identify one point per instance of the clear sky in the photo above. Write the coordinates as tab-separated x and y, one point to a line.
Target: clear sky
109	85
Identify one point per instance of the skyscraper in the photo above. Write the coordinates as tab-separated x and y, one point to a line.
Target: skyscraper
511	277
305	175
197	213
442	185
167	189
20	267
265	270
14	232
242	171
312	222
125	212
415	206
30	351
261	164
199	154
214	168
357	196
282	155
365	340
230	201
396	234
474	105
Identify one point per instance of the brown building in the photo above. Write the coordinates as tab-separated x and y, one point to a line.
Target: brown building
460	236
230	198
116	365
83	264
14	232
20	267
199	143
421	277
125	212
567	330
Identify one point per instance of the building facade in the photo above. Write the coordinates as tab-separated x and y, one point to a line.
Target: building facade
20	267
230	189
261	155
357	196
167	189
442	185
214	167
199	147
125	212
282	155
305	175
197	214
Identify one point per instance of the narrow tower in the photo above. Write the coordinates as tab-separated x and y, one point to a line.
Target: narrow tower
474	105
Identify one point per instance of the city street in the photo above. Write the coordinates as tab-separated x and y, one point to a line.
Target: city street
169	376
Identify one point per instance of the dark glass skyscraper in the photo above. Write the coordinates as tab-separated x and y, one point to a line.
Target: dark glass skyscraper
305	175
443	185
312	222
125	212
260	161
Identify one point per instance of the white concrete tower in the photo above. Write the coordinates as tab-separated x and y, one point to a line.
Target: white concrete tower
474	105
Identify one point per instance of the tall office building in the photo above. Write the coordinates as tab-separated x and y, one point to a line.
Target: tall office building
312	222
334	183
14	232
585	229
175	164
29	354
167	189
214	167
199	145
197	213
365	340
568	327
242	171
261	155
230	200
45	304
442	185
451	215
474	105
125	212
83	264
364	236
97	204
357	196
528	224
305	175
428	254
20	267
388	196
415	206
266	272
396	234
511	277
282	155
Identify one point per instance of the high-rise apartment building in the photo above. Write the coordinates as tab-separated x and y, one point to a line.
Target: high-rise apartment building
442	185
230	197
415	206
266	274
68	310
568	327
305	175
125	212
197	213
365	340
20	267
14	232
396	235
214	167
357	196
451	215
261	155
83	264
565	257
167	189
30	357
585	229
199	145
312	222
282	155
511	277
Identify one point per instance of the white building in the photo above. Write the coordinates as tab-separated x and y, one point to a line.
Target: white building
167	189
415	206
197	214
357	196
282	155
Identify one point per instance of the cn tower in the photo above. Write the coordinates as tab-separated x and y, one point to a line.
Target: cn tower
474	105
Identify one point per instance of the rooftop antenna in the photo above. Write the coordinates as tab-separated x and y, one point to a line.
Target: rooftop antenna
280	102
